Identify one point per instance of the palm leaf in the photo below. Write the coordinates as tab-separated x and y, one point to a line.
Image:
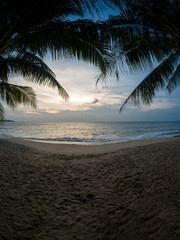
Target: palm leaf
1	113
147	32
33	69
20	20
144	33
153	82
174	81
79	40
15	95
36	60
140	45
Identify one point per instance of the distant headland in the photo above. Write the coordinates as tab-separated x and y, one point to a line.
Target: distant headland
8	121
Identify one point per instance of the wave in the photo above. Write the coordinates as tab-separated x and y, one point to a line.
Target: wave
99	139
67	139
6	136
111	139
158	135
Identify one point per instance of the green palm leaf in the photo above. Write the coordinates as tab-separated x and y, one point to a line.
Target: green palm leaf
15	95
146	33
1	113
154	81
32	69
174	80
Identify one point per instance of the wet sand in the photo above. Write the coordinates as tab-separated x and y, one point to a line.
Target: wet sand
113	191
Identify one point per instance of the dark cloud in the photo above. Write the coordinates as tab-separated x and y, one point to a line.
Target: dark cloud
95	101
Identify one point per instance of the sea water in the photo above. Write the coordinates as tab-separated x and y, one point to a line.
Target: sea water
89	133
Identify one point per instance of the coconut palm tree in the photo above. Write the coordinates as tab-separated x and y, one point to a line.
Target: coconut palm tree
29	30
148	32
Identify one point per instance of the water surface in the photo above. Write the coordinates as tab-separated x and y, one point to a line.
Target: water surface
82	132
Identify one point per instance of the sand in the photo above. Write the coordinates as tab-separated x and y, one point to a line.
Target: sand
113	191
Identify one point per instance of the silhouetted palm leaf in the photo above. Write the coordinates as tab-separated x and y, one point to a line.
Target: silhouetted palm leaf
32	69
80	40
174	80
1	113
15	95
156	80
147	32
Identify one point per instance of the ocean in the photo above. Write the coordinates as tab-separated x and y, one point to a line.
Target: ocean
88	133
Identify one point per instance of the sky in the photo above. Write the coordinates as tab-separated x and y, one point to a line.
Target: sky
91	103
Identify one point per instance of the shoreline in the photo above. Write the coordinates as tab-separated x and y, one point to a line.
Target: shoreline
78	149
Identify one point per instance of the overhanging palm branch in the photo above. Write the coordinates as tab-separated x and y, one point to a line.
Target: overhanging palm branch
14	95
147	32
1	113
156	80
32	68
174	80
79	40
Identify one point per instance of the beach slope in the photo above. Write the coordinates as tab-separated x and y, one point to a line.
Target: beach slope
113	191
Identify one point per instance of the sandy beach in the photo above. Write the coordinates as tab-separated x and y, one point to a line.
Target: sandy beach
118	191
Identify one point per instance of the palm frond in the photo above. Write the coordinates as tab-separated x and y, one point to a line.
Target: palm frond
15	95
39	12
33	69
156	80
79	40
147	33
4	71
142	32
36	60
1	113
142	51
174	81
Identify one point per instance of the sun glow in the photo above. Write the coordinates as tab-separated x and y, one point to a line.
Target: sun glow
74	99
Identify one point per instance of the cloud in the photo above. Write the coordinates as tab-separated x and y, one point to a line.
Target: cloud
95	101
31	112
160	103
52	111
